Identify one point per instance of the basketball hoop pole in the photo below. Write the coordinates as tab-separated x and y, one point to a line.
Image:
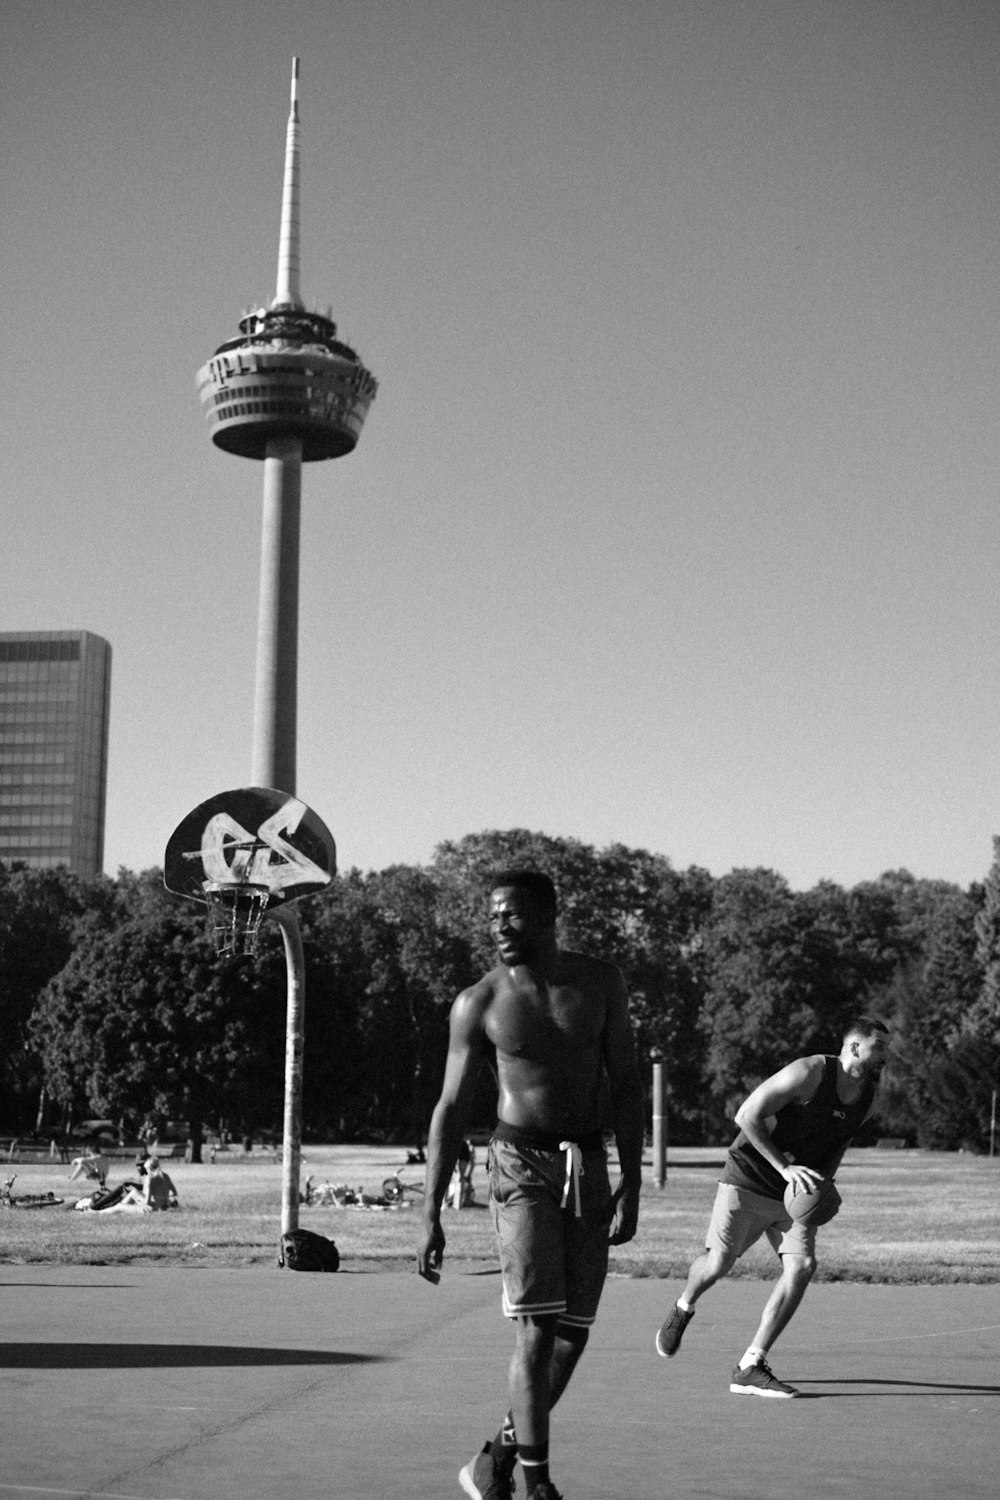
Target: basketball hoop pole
247	854
291	1155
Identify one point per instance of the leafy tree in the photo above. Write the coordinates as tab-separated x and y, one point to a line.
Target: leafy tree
757	1012
927	998
960	1083
146	1018
41	912
395	967
983	1018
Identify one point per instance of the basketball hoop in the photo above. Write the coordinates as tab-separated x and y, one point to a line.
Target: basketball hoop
245	853
235	913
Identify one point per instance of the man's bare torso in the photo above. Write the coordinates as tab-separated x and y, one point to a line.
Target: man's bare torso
549	1038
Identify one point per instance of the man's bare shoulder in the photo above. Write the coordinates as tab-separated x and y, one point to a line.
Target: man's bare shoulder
472	1003
476	997
804	1073
814	1063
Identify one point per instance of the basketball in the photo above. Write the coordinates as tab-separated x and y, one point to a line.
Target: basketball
814	1208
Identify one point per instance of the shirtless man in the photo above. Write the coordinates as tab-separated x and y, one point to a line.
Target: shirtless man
558	1023
778	1181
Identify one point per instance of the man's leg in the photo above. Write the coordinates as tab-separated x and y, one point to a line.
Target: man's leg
705	1271
529	1392
737	1221
530	1397
790	1288
753	1375
534	1346
568	1346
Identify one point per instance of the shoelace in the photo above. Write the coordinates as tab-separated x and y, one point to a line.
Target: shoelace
574	1171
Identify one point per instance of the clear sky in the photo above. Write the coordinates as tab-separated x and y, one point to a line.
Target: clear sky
674	521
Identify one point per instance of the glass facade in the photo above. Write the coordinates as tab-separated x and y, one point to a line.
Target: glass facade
55	695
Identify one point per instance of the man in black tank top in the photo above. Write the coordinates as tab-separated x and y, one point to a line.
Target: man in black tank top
794	1130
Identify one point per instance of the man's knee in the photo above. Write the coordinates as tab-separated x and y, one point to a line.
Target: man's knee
535	1335
718	1261
572	1333
799	1269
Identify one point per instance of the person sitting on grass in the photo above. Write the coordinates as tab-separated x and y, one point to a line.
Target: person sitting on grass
93	1163
158	1190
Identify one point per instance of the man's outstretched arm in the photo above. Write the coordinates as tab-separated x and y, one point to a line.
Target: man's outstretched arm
448	1122
627	1110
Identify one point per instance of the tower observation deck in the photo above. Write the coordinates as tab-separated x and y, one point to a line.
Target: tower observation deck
287	376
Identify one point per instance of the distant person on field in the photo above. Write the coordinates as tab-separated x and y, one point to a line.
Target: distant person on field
157	1188
778	1181
93	1163
461	1192
157	1191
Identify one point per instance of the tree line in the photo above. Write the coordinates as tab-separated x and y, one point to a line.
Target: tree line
114	1003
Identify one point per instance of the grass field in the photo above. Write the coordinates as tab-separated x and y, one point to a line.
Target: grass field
908	1216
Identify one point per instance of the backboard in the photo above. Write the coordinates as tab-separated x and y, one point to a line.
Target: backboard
254	836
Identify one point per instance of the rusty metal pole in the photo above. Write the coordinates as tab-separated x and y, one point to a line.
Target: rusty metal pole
291	1155
659	1126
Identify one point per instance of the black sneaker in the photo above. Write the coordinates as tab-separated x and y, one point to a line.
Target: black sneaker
484	1479
668	1340
545	1491
760	1380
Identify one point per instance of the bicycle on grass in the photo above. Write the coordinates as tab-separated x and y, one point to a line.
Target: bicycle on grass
26	1200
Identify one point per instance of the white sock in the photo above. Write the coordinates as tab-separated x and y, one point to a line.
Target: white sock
753	1356
684	1306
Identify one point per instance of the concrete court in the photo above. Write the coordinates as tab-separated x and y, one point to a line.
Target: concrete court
166	1384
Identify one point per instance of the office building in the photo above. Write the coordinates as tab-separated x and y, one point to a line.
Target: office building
55	691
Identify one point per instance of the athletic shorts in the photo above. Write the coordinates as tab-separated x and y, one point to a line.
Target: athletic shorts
552	1261
740	1217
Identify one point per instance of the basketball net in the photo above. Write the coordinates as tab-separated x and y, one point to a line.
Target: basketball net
235	913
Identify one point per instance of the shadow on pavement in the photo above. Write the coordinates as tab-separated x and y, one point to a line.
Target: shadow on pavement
164	1356
933	1386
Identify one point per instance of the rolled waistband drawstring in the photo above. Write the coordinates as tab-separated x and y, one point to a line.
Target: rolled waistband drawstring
574	1171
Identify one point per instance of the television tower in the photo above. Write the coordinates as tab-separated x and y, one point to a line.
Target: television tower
287	391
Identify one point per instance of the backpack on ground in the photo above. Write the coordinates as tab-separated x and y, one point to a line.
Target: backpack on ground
302	1250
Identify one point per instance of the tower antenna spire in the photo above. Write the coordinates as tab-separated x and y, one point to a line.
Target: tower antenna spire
288	292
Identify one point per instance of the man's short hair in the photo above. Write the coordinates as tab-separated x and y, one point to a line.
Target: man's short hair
866	1027
538	885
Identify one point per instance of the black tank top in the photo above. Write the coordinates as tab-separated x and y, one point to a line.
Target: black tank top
812	1134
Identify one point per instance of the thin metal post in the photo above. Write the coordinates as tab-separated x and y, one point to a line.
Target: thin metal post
291	1154
659	1127
993	1121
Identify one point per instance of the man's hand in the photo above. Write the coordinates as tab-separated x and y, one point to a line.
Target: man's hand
801	1179
624	1214
430	1252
